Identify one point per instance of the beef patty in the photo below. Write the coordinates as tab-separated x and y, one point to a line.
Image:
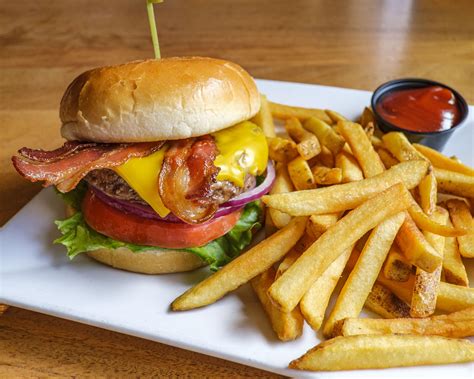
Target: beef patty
114	186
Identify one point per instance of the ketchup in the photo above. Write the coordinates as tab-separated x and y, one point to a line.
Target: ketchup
427	109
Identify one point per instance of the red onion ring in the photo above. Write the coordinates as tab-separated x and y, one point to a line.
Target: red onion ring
233	205
257	192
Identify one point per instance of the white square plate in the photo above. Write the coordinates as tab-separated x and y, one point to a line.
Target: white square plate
37	275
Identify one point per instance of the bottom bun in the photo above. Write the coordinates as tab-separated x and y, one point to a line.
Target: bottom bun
156	261
148	262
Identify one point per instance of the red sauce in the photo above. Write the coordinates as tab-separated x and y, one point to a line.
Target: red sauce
427	109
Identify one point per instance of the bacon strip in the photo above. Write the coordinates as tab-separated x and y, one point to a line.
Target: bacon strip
186	177
68	148
66	166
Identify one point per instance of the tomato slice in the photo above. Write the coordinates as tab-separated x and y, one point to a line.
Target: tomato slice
141	231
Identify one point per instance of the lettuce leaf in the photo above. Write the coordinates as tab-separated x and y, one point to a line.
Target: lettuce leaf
78	237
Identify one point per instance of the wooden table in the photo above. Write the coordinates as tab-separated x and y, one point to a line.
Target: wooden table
45	44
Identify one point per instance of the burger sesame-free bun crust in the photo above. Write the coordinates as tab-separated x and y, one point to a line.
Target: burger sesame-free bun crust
152	100
148	262
156	261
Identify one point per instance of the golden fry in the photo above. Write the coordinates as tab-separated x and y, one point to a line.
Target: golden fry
425	223
425	289
387	159
453	266
318	224
367	117
314	302
326	176
361	279
243	268
454	325
450	296
416	249
282	184
287	326
384	302
284	112
300	174
281	149
362	148
308	144
383	351
454	183
351	171
399	146
439	160
303	243
462	219
264	118
325	133
349	195
335	116
396	266
288	290
270	227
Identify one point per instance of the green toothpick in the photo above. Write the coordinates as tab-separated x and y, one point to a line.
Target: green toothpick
151	20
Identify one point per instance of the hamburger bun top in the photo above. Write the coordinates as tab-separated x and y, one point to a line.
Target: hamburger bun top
152	100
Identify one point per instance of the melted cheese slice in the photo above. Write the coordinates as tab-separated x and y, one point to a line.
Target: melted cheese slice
242	149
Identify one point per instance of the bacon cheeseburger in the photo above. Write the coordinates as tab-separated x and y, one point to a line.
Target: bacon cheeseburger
162	170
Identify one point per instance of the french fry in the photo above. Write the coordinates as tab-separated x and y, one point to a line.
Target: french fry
361	279
462	219
314	302
303	243
324	158
282	184
243	268
384	302
454	325
425	223
281	149
439	160
351	171
387	159
270	227
375	141
425	289
396	266
264	118
451	297
284	112
348	195
383	351
369	131
288	290
428	190
362	148
287	326
399	146
307	143
300	174
335	116
318	224
367	117
326	176
454	298
325	133
453	267
454	183
416	249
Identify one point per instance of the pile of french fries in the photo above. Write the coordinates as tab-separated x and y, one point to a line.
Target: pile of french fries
389	219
